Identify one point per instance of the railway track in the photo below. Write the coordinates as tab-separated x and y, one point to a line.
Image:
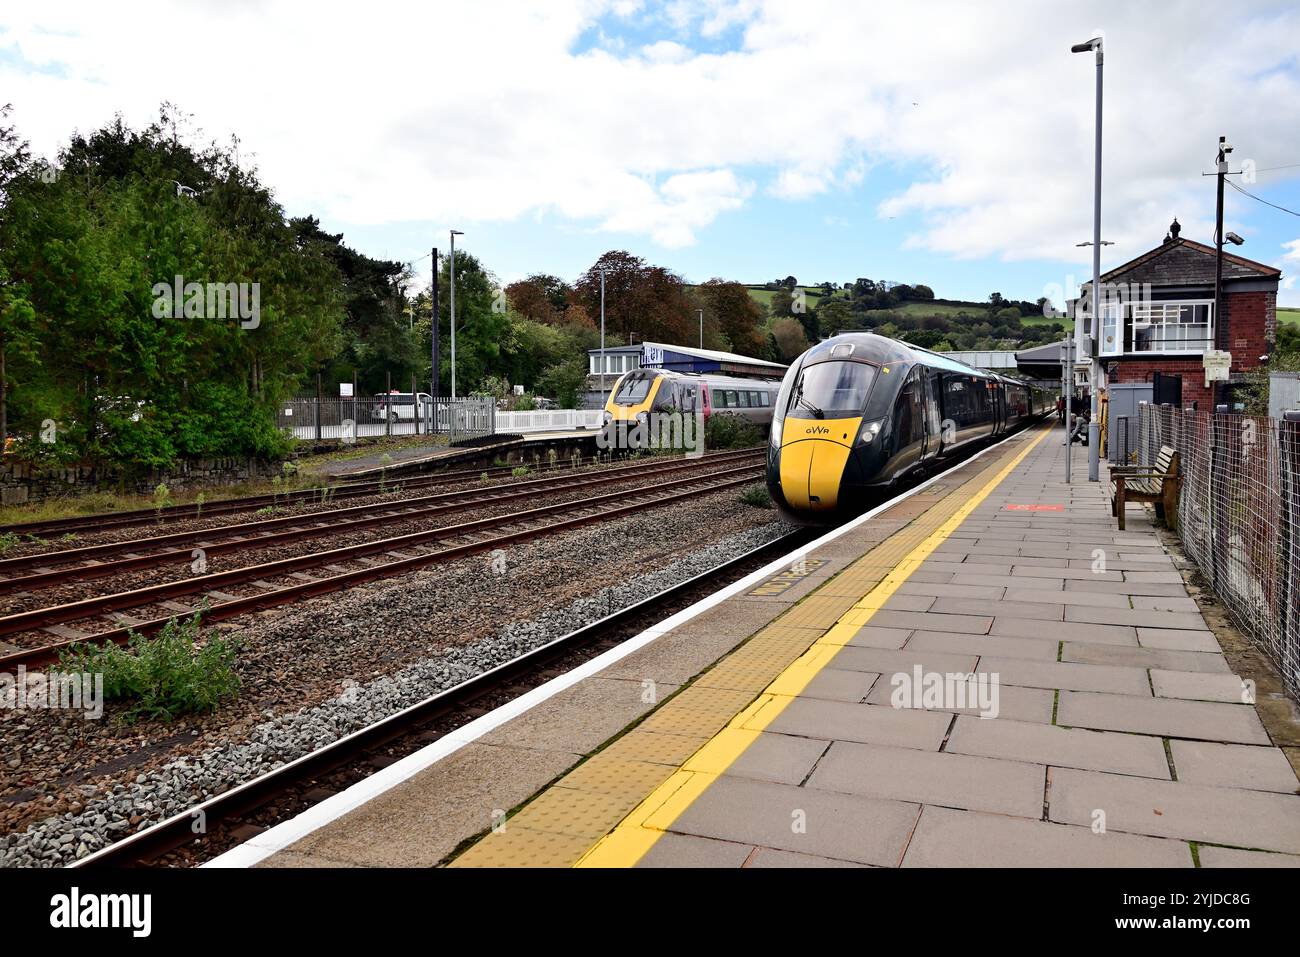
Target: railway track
344	567
87	562
290	789
320	495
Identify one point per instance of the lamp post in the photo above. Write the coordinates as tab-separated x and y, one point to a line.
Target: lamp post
701	312
433	344
1094	300
452	307
602	338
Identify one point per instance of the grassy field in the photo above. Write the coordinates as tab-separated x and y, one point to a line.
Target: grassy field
1289	316
764	296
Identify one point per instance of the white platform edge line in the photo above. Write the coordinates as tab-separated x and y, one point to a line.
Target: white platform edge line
288	832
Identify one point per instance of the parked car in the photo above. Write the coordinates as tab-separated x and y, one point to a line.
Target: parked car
402	406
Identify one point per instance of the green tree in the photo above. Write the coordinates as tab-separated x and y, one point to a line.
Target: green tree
735	313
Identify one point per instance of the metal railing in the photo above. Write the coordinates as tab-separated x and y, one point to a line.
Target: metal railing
552	420
1239	517
347	420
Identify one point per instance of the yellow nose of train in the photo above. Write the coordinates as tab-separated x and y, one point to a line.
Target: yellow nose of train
813	455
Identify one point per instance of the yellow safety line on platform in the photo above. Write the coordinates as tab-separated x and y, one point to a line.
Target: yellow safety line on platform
638	832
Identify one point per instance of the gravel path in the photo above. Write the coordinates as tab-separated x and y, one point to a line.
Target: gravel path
323	669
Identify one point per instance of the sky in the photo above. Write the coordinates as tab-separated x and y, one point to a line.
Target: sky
935	142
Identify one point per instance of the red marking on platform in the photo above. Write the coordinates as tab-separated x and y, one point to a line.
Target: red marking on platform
1035	508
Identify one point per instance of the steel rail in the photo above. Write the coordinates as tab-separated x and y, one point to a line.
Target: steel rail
261	534
92	607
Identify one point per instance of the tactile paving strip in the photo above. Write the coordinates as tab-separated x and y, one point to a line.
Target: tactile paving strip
562	823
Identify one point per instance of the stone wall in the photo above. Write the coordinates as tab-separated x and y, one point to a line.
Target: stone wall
20	483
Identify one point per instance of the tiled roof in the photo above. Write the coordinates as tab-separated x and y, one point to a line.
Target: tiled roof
1182	262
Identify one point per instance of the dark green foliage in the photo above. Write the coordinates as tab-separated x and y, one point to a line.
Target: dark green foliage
82	247
756	496
725	431
163	676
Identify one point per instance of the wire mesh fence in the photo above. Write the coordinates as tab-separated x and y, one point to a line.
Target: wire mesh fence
1239	517
346	420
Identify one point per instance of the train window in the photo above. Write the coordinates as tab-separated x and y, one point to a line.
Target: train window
632	391
744	399
766	398
729	398
688	398
832	388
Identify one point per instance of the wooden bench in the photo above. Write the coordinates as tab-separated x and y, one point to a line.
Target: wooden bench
1158	484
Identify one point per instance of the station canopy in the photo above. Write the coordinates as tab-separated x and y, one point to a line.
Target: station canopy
658	355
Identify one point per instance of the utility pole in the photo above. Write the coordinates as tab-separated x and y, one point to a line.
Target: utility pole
1220	326
701	312
602	339
1095	299
452	306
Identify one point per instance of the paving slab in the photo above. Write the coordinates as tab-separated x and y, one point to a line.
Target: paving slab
804	820
681	850
947	779
1202	720
782	758
1201	686
1175	639
1096	654
869	724
768	857
951	838
1067	675
1065	631
1233	816
1013	703
1212	856
1060	747
1234	766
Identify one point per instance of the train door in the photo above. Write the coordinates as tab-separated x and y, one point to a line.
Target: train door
938	412
705	400
909	424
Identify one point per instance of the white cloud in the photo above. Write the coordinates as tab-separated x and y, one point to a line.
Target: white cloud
448	111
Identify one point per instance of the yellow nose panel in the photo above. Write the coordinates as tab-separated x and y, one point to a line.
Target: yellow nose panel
813	454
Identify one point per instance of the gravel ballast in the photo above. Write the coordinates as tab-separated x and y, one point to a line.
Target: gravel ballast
180	783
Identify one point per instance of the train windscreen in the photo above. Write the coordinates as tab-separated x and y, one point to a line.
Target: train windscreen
633	390
831	389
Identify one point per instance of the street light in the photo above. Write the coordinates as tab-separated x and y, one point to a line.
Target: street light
452	306
1094	427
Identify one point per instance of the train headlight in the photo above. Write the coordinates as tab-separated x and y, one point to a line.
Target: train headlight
869	432
775	437
607	418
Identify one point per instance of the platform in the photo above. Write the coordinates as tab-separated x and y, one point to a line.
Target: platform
828	712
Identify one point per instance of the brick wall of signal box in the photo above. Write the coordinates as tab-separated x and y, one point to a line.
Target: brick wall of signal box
1252	326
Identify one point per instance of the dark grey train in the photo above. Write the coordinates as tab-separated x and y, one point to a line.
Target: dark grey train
860	412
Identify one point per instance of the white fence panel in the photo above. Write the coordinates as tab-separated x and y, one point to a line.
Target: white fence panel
553	420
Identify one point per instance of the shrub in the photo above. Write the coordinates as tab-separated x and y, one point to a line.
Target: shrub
519	471
757	496
725	431
162	676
